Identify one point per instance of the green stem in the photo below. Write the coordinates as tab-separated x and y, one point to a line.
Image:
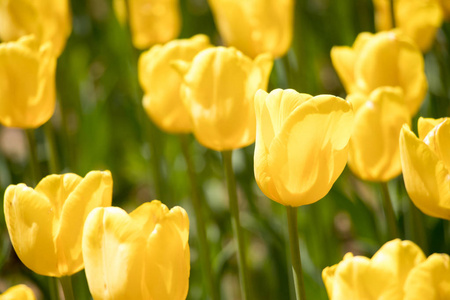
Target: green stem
295	253
52	148
238	234
53	288
34	162
392	10
418	227
66	283
389	212
208	277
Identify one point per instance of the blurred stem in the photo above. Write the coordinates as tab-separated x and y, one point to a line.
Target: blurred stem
295	253
52	149
389	212
238	234
418	227
205	258
53	288
392	9
32	149
66	283
158	177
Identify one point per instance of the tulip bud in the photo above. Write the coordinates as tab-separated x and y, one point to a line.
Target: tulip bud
27	83
418	19
384	59
161	83
141	255
255	27
218	90
47	20
426	166
374	152
18	292
45	224
301	144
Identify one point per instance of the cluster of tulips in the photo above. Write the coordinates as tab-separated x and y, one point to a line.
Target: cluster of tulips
302	145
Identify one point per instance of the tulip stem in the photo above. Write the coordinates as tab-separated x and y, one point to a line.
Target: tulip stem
53	288
295	253
418	227
34	162
392	10
238	234
389	212
66	283
52	148
208	277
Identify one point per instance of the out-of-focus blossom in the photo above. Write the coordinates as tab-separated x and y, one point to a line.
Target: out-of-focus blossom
218	90
27	83
141	255
161	82
398	271
255	26
384	59
374	151
301	144
45	224
426	166
47	20
445	5
18	292
418	19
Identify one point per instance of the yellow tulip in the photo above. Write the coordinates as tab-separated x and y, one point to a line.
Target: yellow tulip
301	144
48	20
445	5
27	83
255	26
382	277
426	166
153	21
141	255
374	151
384	59
45	224
218	90
161	83
418	19
18	292
429	280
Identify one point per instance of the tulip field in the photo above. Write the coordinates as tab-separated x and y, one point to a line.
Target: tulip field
225	149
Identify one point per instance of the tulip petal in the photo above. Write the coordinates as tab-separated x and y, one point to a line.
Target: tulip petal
426	177
18	292
114	255
425	125
321	128
29	218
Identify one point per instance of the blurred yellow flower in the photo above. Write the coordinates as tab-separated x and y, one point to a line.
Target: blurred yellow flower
27	83
374	151
426	166
45	224
218	90
18	292
48	20
152	21
418	19
254	26
382	277
161	82
301	144
142	255
445	5
384	59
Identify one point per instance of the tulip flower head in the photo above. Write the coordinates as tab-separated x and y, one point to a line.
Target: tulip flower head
254	26
301	144
143	255
384	59
426	166
161	83
45	224
374	152
48	20
18	292
398	271
418	19
27	83
218	90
